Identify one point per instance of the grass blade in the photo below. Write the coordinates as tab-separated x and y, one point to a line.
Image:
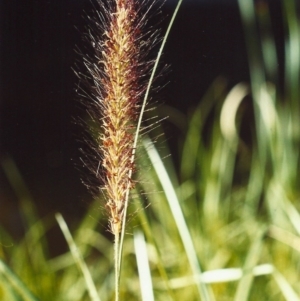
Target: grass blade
16	283
150	235
178	215
221	275
143	266
245	283
286	289
78	258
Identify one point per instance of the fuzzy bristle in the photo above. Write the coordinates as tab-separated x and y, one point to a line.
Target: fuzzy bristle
117	88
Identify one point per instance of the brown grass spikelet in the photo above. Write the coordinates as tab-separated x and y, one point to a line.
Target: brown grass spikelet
120	60
117	70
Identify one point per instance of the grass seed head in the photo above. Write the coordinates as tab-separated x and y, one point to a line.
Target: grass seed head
117	70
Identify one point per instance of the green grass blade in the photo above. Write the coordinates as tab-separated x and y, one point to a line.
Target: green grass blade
78	258
293	215
244	286
247	12
221	275
193	141
285	237
285	288
177	215
21	190
292	53
143	266
151	239
16	283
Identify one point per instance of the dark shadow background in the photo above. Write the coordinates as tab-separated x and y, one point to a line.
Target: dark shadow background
38	98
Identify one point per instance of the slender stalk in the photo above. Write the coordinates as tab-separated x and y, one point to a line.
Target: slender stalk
117	267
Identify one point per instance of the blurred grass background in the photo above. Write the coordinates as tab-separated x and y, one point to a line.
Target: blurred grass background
218	220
